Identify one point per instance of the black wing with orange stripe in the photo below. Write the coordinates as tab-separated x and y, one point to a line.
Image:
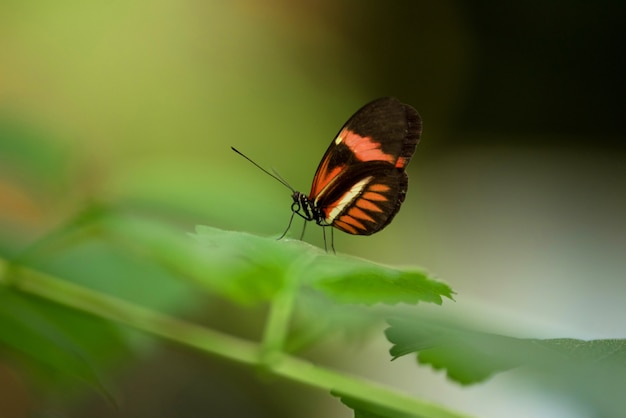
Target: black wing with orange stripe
361	181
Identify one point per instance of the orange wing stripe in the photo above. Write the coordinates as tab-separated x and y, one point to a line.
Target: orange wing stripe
344	226
379	188
364	147
359	214
321	182
367	205
402	162
374	196
351	221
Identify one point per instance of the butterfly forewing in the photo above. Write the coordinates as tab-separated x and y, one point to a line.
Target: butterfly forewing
383	130
360	183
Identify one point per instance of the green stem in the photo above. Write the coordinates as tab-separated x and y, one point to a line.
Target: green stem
155	323
36	283
277	326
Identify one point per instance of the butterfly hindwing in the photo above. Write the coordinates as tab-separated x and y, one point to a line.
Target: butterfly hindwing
366	198
360	183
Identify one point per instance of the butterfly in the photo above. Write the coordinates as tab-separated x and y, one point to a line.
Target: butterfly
361	181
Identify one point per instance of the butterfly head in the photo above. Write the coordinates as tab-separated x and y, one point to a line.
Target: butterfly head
303	206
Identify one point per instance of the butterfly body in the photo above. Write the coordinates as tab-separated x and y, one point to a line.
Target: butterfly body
361	181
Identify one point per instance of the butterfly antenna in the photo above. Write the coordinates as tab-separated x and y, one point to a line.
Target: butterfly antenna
275	175
281	178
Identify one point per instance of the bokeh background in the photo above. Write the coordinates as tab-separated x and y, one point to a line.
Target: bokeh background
517	191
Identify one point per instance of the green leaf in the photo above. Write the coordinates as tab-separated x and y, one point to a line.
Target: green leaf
467	357
590	371
260	266
252	267
248	268
354	280
597	351
241	267
81	253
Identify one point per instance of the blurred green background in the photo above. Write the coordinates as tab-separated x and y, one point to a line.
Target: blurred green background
517	194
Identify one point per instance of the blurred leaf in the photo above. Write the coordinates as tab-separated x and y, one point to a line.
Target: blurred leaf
587	370
596	351
468	357
317	318
32	154
34	171
211	265
84	252
64	346
99	265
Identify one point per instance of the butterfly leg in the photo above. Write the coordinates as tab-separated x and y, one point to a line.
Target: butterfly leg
332	239
303	229
288	227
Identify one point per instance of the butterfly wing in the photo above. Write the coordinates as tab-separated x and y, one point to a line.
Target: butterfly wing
360	182
383	130
365	199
